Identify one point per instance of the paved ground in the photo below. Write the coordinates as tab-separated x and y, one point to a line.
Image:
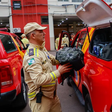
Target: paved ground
68	99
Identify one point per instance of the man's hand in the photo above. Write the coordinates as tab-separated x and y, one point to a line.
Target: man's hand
64	68
60	49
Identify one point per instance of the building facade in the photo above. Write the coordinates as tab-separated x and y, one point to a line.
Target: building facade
24	11
62	11
5	14
62	17
57	15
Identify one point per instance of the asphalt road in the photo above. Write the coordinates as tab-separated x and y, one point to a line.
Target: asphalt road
68	99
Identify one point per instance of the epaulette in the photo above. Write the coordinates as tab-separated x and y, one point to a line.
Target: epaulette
31	52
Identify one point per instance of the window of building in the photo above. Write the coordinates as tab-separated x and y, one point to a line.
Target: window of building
64	0
4	1
44	19
76	6
16	5
77	0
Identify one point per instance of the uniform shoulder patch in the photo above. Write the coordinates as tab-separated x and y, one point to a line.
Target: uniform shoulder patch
31	52
31	61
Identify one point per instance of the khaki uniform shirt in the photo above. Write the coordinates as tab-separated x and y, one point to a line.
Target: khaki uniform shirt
37	65
65	41
25	41
57	42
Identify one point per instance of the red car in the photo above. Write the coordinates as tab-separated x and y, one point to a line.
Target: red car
93	83
12	85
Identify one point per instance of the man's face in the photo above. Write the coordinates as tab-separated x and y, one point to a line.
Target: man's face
59	34
39	36
72	36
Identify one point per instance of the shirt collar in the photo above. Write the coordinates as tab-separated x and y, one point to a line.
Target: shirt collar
37	46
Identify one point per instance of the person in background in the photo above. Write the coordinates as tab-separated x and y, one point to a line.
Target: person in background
72	37
65	41
57	42
38	71
110	5
25	40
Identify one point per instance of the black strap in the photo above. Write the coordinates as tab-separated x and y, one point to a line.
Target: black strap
40	88
62	77
39	96
111	27
88	34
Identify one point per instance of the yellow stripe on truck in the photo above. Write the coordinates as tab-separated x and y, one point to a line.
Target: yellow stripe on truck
86	42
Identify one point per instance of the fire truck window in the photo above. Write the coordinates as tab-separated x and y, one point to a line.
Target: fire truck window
18	43
22	45
76	40
81	40
8	43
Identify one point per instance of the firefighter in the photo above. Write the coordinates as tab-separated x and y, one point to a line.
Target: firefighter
39	75
65	41
24	40
72	38
57	42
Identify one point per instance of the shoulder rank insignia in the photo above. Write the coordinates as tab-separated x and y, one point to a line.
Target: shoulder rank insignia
31	61
31	52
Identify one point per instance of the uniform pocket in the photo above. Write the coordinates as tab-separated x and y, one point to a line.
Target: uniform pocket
34	106
37	107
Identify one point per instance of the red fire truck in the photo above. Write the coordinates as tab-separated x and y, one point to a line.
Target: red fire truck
12	85
93	83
